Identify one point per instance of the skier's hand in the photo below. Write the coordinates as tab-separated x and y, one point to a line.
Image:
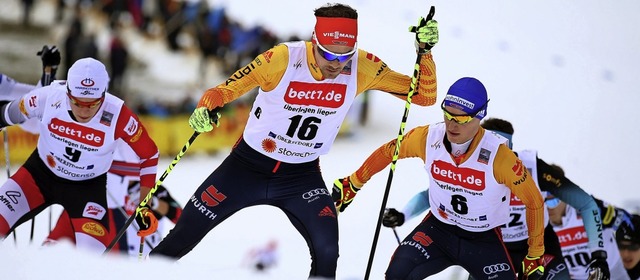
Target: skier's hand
426	31
532	268
146	220
202	120
392	218
50	56
343	193
133	199
598	268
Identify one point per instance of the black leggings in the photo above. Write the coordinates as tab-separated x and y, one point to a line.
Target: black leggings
246	178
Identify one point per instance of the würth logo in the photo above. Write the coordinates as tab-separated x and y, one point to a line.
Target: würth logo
422	238
518	168
322	95
212	197
76	132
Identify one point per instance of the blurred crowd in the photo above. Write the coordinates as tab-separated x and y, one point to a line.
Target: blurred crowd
219	38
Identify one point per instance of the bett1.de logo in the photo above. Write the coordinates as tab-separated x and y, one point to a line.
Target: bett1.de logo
321	95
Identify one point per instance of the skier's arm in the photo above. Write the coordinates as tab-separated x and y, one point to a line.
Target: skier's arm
413	145
416	205
558	185
132	132
373	73
510	171
30	105
264	71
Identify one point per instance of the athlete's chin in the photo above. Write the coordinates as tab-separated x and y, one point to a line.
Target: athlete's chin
628	264
453	137
83	119
331	74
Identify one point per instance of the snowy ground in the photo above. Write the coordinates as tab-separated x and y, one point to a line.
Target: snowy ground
550	68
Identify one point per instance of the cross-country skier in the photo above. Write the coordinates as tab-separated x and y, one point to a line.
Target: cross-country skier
305	91
472	174
80	124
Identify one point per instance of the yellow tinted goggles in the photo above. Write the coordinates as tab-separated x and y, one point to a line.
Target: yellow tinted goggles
458	119
461	119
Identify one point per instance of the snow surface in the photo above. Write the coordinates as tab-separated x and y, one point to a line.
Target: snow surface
550	68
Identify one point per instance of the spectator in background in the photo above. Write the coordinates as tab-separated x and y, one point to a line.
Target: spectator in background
27	5
71	41
118	56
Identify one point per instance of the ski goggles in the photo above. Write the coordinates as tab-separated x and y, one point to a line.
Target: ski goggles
84	104
331	56
552	202
461	119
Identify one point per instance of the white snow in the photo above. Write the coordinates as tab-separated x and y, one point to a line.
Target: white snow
550	68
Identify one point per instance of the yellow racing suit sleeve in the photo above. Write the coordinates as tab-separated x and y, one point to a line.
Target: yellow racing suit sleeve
412	145
265	71
374	74
509	170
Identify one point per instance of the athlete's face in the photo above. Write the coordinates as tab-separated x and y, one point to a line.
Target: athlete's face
84	109
630	254
460	133
556	209
330	69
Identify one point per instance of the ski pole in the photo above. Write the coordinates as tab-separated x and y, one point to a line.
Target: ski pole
396	234
46	81
403	123
141	250
147	198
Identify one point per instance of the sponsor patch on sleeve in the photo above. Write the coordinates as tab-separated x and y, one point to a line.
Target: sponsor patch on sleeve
132	126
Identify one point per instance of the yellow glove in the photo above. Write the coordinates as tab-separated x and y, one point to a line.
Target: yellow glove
532	268
426	31
202	120
343	193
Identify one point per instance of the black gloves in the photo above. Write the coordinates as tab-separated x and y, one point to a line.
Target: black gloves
50	61
598	268
392	218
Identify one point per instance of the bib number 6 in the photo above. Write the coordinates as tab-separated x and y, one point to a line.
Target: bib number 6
459	204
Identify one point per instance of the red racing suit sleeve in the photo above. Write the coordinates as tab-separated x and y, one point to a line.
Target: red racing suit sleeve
131	131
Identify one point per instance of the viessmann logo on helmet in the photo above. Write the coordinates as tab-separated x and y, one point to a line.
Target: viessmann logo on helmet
76	132
338	35
321	95
467	178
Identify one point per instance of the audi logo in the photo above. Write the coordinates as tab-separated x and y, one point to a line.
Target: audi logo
495	268
316	192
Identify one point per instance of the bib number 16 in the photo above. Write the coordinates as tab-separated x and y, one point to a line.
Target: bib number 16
306	129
